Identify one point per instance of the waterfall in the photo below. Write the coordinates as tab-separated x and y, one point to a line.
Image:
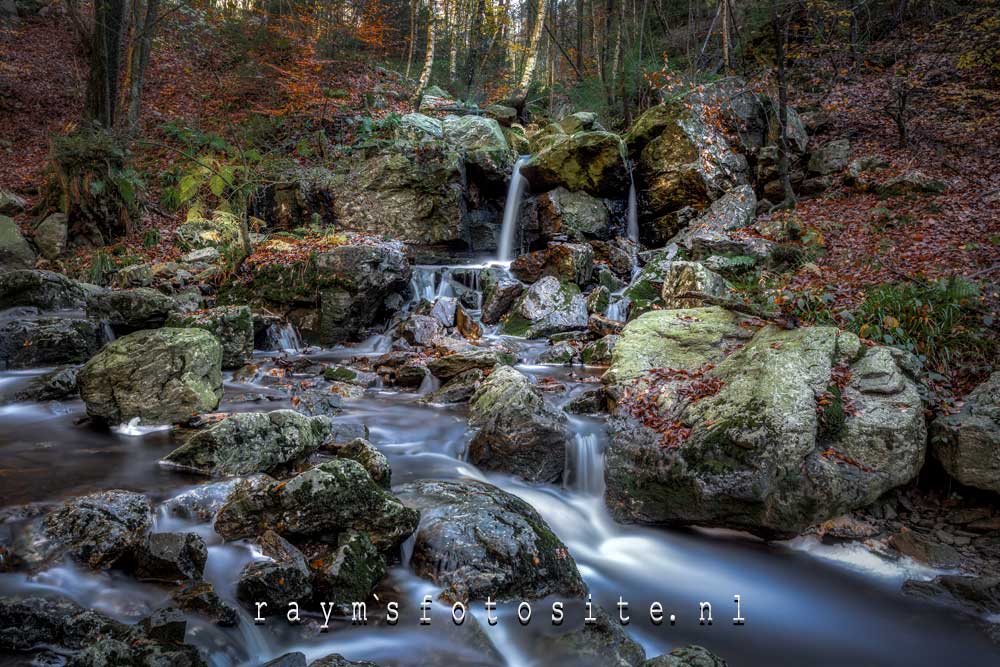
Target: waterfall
286	337
585	468
512	211
633	209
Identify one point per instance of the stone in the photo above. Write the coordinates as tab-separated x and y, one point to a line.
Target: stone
50	236
11	204
801	426
294	659
925	549
603	642
488	156
443	309
420	329
476	540
56	385
45	290
368	455
581	121
687	656
599	352
448	366
99	529
200	598
831	157
337	660
563	215
30	342
15	252
350	572
683	277
500	291
547	307
165	625
560	354
968	443
590	162
458	389
281	579
569	262
331	497
980	594
598	300
130	310
418	127
161	376
502	114
231	325
912	182
170	557
518	433
251	442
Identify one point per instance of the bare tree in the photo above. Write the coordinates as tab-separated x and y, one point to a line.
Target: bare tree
425	73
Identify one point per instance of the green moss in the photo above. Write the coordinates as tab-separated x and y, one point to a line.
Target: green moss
339	374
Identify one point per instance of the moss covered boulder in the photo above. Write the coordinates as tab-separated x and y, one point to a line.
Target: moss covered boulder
45	290
968	443
161	376
569	262
488	156
251	442
547	307
518	432
561	214
130	310
476	540
591	162
231	325
796	427
15	253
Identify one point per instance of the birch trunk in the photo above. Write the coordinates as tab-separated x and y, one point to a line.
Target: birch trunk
425	73
531	59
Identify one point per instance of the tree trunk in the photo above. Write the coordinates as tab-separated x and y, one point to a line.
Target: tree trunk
531	59
579	36
725	36
425	73
105	52
414	7
138	59
779	26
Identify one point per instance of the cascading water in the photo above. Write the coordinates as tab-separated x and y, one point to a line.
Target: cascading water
632	216
512	212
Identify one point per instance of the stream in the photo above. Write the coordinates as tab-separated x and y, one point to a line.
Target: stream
803	603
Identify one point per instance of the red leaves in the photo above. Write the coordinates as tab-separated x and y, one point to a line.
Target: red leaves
664	394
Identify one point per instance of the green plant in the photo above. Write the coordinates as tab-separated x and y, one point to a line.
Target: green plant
151	238
100	268
939	321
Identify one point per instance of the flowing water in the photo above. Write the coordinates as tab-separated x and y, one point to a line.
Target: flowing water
632	216
512	212
804	603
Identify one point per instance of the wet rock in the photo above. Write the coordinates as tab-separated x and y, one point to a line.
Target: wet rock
598	300
687	656
500	291
981	594
250	442
337	660
802	425
50	236
295	659
231	325
588	402
683	277
45	290
830	158
924	549
643	292
476	540
141	651
15	252
98	529
458	389
568	262
561	214
545	308
683	160
283	578
518	433
350	572
170	557
56	385
331	497
200	598
130	310
604	326
369	457
30	342
590	162
26	623
160	375
466	325
560	354
350	376
968	443
202	502
443	309
165	625
598	352
603	643
420	329
449	366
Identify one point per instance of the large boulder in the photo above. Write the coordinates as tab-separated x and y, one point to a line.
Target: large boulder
451	365
488	156
796	427
15	252
684	277
518	432
329	499
683	160
130	309
51	235
334	294
250	442
968	443
500	291
591	162
161	376
231	325
569	262
830	158
561	214
30	341
283	578
547	307
45	290
476	540
99	530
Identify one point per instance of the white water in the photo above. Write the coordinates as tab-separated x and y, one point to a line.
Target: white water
512	212
132	428
633	212
286	337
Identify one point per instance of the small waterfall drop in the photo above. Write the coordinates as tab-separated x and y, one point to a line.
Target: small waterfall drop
585	466
286	337
512	211
633	210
